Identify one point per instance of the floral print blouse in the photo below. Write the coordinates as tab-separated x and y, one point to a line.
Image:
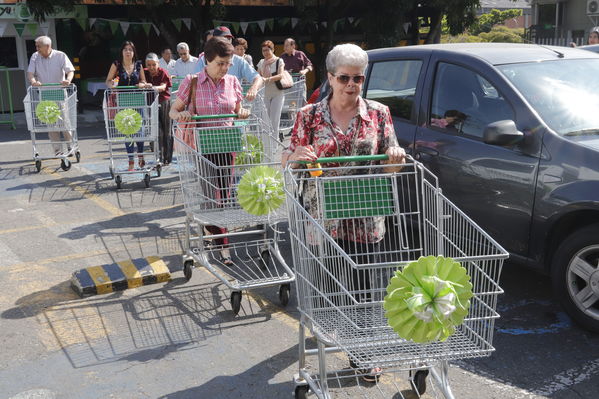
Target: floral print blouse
370	132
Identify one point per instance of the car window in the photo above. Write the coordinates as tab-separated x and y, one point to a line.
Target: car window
393	83
465	103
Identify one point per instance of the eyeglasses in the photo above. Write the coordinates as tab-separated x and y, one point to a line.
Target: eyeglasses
344	79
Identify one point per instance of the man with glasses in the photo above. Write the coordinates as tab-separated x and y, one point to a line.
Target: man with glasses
186	64
239	68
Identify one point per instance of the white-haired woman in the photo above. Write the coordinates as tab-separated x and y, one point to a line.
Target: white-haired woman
160	80
345	124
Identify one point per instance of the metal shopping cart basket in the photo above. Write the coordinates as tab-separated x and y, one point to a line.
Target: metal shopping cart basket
341	284
295	99
52	109
213	153
131	117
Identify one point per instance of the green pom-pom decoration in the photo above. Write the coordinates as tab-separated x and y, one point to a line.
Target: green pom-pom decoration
427	299
47	112
127	122
252	151
260	190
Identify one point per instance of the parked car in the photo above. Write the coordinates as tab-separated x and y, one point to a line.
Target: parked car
512	132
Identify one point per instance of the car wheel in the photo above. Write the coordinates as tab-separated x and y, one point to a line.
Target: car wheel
575	275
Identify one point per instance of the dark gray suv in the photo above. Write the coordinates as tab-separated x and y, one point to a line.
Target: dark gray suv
512	132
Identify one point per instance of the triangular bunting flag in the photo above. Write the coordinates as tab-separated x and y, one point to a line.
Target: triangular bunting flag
156	29
147	28
284	21
45	27
3	26
358	20
19	28
324	23
244	26
31	29
187	22
125	27
261	24
82	22
406	26
114	25
177	23
335	24
235	26
270	23
350	19
294	22
92	21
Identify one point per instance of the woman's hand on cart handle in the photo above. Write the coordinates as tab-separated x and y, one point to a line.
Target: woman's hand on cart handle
36	83
243	113
65	82
183	116
301	154
396	155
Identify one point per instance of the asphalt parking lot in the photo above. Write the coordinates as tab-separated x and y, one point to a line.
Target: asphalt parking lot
180	339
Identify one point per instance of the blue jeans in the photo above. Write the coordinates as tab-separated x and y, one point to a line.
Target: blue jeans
130	148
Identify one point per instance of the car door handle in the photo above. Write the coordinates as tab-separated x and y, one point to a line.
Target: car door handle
425	153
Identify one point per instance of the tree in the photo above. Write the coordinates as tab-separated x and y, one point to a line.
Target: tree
486	22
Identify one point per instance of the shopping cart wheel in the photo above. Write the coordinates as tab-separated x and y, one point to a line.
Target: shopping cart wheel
65	164
147	180
284	290
188	269
236	301
158	170
419	381
301	391
118	180
38	165
78	156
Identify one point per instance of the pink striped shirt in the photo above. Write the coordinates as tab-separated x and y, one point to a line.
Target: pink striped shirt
211	98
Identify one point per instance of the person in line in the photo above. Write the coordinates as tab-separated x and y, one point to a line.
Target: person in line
51	66
186	64
159	79
345	124
241	46
167	62
239	68
593	37
128	71
296	61
216	92
271	68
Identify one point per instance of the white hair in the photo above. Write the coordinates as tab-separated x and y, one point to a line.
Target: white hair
152	57
44	41
182	46
348	55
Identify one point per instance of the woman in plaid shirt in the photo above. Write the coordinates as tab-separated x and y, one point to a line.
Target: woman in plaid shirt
216	92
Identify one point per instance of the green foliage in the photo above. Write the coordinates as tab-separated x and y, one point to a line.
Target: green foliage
486	22
503	34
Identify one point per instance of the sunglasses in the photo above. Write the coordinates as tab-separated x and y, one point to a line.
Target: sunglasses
344	79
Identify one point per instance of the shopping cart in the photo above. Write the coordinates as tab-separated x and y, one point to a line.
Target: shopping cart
213	153
131	116
295	99
52	109
341	285
175	82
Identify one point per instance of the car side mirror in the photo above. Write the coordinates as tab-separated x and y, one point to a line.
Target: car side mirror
502	133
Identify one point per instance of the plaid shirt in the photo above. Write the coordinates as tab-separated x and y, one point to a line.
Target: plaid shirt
370	132
211	98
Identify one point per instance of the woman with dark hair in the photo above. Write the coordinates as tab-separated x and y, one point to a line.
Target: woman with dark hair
241	46
214	92
128	71
271	69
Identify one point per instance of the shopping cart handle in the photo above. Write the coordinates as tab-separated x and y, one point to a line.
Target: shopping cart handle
354	158
177	77
125	87
217	116
50	84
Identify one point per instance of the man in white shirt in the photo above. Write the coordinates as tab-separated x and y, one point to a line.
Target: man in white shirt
186	63
166	62
50	66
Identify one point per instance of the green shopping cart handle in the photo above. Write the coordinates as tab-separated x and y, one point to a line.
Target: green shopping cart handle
177	77
50	84
217	116
354	158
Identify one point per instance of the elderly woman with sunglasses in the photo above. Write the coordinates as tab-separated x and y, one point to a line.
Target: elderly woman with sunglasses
345	124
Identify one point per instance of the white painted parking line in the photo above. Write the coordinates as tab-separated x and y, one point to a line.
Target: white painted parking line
568	378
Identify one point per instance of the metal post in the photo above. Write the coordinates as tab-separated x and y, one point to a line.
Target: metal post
11	120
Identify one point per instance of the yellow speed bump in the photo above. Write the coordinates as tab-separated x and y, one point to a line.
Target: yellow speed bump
120	276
